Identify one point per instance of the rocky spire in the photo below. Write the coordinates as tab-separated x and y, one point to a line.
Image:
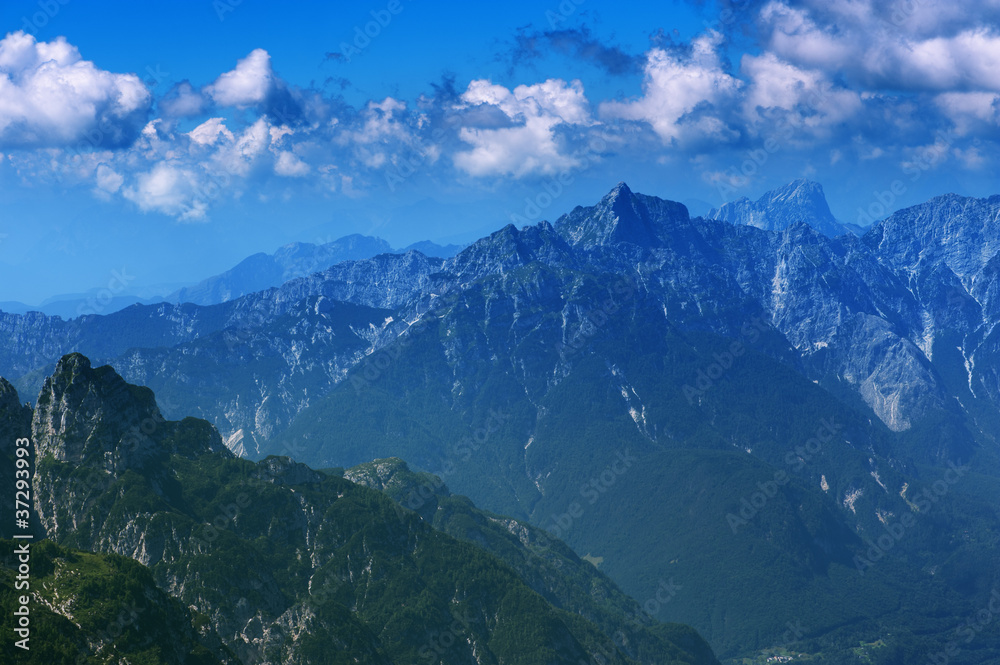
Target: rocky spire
621	216
94	417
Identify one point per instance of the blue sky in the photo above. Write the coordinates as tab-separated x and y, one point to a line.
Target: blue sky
171	140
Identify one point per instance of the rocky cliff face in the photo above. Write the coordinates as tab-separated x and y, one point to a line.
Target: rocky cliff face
93	417
91	429
947	253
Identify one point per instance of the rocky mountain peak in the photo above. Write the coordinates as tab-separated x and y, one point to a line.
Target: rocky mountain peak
800	192
93	416
620	192
799	201
622	216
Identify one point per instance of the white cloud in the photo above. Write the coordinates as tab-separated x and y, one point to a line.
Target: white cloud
970	111
247	85
182	101
186	173
531	146
806	100
245	151
168	188
685	97
563	101
384	132
290	166
831	70
50	96
109	181
795	36
902	45
211	132
278	133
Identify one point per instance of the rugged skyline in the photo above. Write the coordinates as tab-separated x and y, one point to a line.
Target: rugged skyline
176	140
738	422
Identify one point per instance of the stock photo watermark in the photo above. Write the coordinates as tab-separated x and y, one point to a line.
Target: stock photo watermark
562	12
438	642
896	531
47	10
369	31
884	201
968	631
100	301
554	187
22	536
592	490
707	376
796	459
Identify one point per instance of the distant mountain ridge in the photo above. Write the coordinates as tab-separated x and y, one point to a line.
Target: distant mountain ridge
258	272
800	201
748	270
263	271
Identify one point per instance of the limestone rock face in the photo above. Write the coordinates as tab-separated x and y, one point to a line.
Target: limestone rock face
84	413
89	428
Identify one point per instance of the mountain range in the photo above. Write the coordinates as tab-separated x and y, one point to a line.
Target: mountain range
255	273
789	426
162	547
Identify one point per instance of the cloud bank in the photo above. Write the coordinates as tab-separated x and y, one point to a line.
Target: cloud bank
863	80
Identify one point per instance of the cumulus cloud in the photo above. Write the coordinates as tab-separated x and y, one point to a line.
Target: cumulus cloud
971	112
182	101
530	144
901	45
846	79
184	174
169	188
247	85
253	84
805	101
51	97
245	151
685	95
211	132
290	166
109	181
383	130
